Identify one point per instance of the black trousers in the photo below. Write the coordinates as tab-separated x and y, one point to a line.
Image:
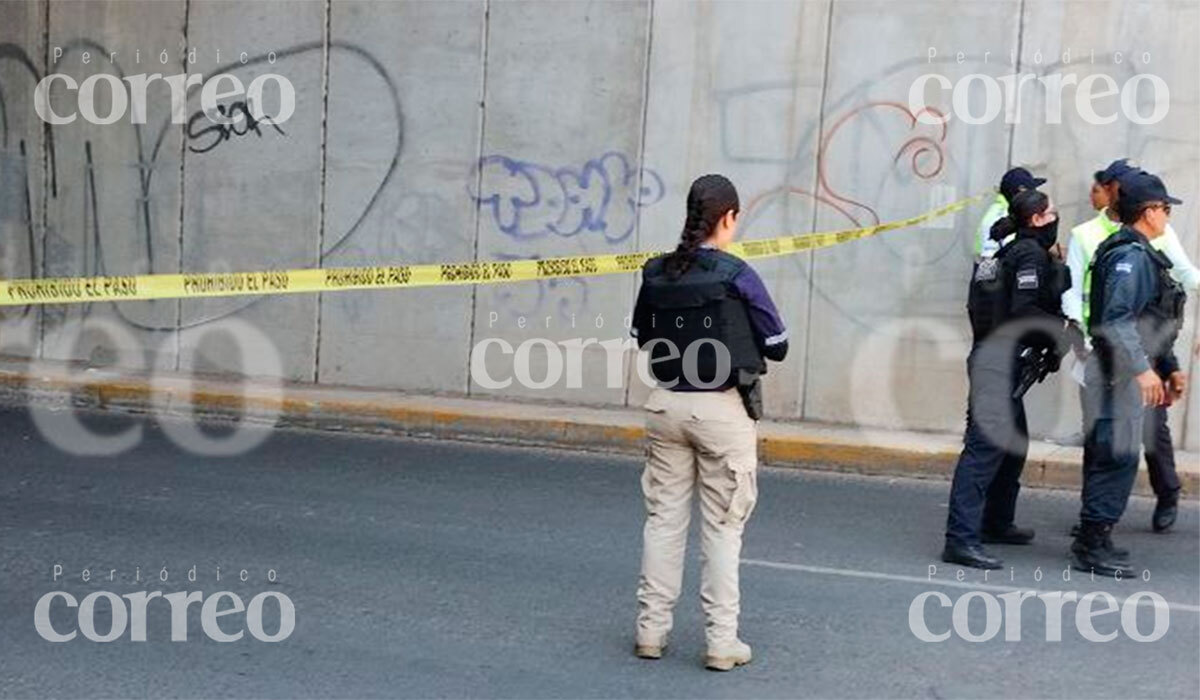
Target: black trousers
1160	452
983	495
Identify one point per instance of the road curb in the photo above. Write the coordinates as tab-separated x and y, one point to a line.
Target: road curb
867	452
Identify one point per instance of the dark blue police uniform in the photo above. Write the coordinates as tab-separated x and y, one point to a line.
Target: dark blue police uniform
1135	327
1023	310
1136	310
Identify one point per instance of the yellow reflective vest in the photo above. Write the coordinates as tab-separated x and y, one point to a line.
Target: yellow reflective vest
1089	235
985	247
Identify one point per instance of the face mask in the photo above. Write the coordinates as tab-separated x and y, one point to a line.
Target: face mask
1046	235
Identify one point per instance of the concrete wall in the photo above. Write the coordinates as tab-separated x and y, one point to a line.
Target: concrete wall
473	130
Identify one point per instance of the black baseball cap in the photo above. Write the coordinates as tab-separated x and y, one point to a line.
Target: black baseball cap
1019	179
1139	187
1114	171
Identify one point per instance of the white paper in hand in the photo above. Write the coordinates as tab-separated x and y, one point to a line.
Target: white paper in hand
1077	372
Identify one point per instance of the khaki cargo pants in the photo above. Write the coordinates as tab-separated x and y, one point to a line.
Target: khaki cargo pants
698	441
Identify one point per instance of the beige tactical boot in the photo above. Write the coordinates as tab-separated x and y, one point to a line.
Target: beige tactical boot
649	651
727	656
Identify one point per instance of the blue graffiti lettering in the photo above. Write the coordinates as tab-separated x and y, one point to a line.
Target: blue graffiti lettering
528	200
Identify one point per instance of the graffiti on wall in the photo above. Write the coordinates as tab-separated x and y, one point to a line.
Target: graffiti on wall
595	201
869	159
82	252
241	122
528	200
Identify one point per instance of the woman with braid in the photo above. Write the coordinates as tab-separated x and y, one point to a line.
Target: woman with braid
708	324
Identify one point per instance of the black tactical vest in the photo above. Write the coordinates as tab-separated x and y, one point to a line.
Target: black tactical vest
695	310
989	299
1163	316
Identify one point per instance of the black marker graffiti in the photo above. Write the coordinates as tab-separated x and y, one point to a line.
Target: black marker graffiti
149	143
237	113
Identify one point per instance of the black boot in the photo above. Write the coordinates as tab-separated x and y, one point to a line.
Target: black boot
1009	535
1077	545
970	555
1092	551
1119	552
1164	511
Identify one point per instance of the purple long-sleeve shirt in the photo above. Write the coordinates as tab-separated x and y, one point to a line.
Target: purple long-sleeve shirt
768	327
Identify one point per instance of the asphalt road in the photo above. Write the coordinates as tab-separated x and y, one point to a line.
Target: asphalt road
423	569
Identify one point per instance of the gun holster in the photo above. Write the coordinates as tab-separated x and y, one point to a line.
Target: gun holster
749	385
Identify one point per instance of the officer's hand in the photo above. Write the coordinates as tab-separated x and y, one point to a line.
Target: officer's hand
1151	387
1076	339
1177	384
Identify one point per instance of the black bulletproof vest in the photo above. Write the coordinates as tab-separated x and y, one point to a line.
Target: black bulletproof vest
700	305
989	299
1162	318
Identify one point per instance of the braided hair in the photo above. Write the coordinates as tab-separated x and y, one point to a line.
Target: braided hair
711	197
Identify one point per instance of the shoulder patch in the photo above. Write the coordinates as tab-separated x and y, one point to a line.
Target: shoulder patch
986	270
1027	278
1124	267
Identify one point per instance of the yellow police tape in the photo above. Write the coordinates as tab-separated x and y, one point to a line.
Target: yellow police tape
71	290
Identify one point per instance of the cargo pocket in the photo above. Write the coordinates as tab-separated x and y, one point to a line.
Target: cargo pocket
744	471
657	424
657	401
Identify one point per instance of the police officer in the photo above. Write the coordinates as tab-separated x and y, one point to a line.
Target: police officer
1015	309
708	324
1013	182
1085	240
1135	313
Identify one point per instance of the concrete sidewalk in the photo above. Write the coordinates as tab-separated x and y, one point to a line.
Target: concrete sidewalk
794	444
